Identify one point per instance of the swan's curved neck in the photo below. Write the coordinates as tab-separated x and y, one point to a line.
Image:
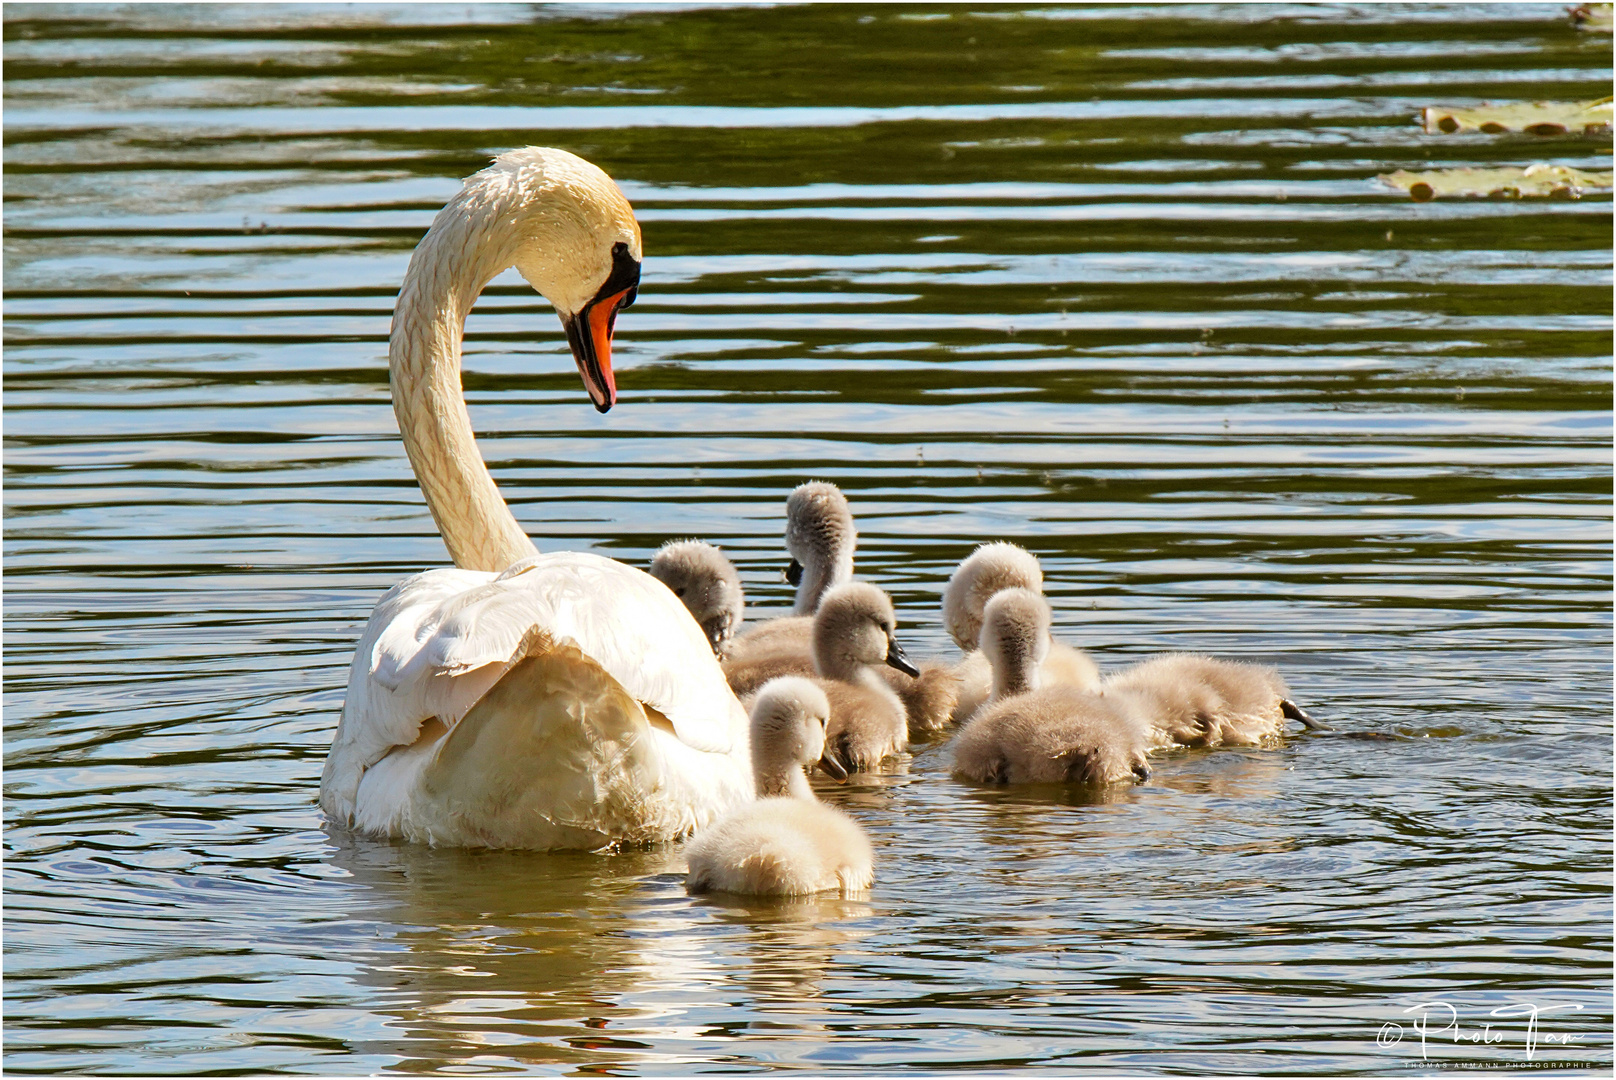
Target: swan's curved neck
460	254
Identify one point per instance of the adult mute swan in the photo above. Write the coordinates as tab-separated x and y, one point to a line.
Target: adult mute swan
519	699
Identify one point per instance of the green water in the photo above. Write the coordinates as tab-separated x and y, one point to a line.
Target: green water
1115	283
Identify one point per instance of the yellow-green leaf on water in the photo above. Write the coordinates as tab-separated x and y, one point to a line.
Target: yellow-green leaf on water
1591	18
1534	181
1535	117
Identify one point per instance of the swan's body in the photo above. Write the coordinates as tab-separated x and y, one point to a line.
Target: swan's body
1032	734
524	700
1183	699
988	570
787	843
705	581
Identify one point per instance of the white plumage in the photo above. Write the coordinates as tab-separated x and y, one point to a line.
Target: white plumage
525	700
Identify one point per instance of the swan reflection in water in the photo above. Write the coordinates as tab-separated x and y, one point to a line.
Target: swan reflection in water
579	958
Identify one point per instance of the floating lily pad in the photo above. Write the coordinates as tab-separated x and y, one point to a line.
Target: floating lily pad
1592	18
1533	117
1534	181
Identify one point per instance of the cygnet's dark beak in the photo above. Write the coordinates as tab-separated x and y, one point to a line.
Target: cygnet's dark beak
832	766
794	573
899	659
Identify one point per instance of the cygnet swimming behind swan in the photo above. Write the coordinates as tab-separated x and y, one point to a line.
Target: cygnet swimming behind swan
705	580
1186	699
988	570
1030	734
787	843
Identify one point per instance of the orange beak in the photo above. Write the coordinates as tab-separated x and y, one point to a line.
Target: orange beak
590	335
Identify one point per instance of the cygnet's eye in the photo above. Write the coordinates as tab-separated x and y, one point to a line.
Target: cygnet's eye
679	592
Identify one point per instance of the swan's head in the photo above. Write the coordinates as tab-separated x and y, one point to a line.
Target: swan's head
988	569
821	539
706	582
577	243
789	716
853	627
1015	639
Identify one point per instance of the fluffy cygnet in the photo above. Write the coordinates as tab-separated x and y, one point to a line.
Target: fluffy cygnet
852	633
705	580
988	570
927	699
821	539
1055	734
1185	699
985	571
787	843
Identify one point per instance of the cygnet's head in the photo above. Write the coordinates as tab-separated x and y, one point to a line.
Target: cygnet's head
853	628
789	717
1015	639
988	569
700	575
821	539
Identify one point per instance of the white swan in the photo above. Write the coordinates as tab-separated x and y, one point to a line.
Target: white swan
519	699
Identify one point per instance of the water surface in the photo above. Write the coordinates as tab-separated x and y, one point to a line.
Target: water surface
1114	283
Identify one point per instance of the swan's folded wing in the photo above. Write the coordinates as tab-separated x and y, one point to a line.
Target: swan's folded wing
438	643
386	701
630	624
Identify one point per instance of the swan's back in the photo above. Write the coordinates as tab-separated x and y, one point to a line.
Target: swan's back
1056	735
781	847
